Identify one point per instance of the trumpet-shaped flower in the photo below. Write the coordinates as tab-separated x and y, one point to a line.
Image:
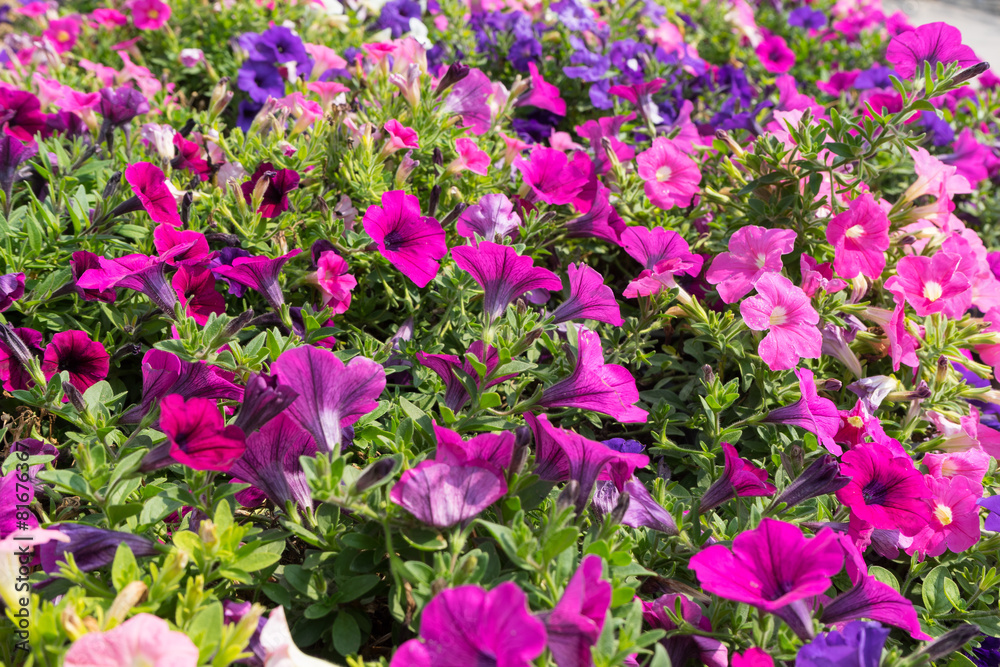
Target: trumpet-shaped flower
412	243
332	394
875	601
141	273
775	55
258	273
149	184
399	137
972	464
589	298
812	412
753	252
858	644
470	157
551	176
469	626
933	284
886	491
455	394
930	43
671	176
92	547
785	312
739	478
143	639
574	624
954	524
685	649
199	438
195	288
271	461
503	274
494	448
86	360
860	237
443	495
593	385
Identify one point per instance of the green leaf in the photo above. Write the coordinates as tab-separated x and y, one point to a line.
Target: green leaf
424	539
490	399
558	542
884	575
937	591
257	560
188	542
356	587
124	569
346	634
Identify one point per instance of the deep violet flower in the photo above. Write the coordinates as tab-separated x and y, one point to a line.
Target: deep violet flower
271	461
86	360
149	184
143	639
258	273
807	17
13	153
141	273
860	237
589	298
773	567
858	644
593	385
671	177
493	219
954	524
875	601
812	412
332	394
11	289
165	373
551	176
279	45
642	511
574	624
685	649
275	196
443	495
411	242
562	455
503	274
933	284
445	366
786	313
753	252
822	477
118	107
494	448
930	43
199	437
263	399
261	81
886	491
195	288
775	55
470	626
992	504
92	547
739	478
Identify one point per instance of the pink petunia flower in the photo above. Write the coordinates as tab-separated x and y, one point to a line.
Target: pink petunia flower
195	287
542	94
63	33
816	276
684	649
860	237
551	176
671	176
86	360
775	55
149	184
143	639
785	312
608	128
972	464
886	491
930	43
589	298
954	524
739	478
753	252
400	137
470	157
492	219
811	412
933	284
108	18
412	243
334	281
575	624
149	14
199	437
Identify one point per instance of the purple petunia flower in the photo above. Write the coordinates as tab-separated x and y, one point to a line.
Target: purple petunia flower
332	394
279	45
149	185
11	289
503	274
119	107
271	462
493	219
812	412
263	399
587	65
396	15
684	649
932	43
886	490
642	511
260	80
590	298
593	385
259	274
993	519
574	624
470	626
807	17
443	495
494	448
195	288
13	152
411	242
858	644
875	601
92	547
468	100
740	478
455	394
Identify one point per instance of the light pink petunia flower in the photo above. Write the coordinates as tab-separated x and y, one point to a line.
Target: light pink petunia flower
671	177
753	252
785	312
860	237
143	639
933	284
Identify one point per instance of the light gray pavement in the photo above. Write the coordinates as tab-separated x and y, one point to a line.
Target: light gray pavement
979	21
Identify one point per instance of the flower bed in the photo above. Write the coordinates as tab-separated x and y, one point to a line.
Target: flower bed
454	333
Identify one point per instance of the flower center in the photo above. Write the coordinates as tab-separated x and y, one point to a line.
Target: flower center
854	232
761	260
874	492
943	514
856	421
932	290
153	14
663	174
62	36
393	241
778	316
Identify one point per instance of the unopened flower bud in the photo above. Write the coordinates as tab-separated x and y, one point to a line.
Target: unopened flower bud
455	212
405	168
521	306
709	374
618	513
111	187
221	96
432	202
950	642
374	474
238	323
185	212
129	596
971	72
831	384
522	440
819	479
126	350
208	533
793	459
74	396
456	72
943	366
72	623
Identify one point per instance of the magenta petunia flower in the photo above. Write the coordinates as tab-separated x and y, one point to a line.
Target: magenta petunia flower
165	373
195	288
470	158
973	160
812	412
876	601
445	365
753	252
334	281
258	273
11	289
685	649
181	246
542	94
62	34
785	312
15	353
412	243
574	624
503	274
930	43
601	221
80	262
972	464
589	298
816	276
606	128
954	524
470	626
141	273
493	219
399	137
551	177
671	176
143	639
860	237
593	385
86	360
775	55
740	478
149	14
275	197
494	448
663	254
753	657
773	567
886	491
271	462
149	184
199	437
933	284
263	399
332	394
443	495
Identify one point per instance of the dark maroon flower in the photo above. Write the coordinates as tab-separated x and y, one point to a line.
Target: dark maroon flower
21	113
280	183
12	154
188	156
86	360
195	287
